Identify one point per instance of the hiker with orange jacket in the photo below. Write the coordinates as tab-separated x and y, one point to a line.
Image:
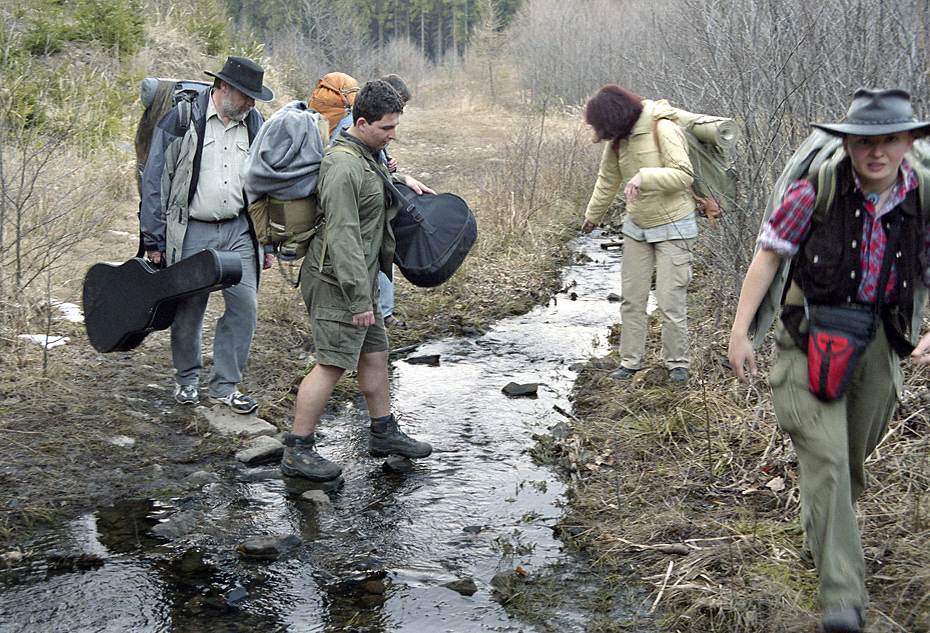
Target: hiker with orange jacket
660	226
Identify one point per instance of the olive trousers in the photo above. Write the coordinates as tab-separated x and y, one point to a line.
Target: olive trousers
832	441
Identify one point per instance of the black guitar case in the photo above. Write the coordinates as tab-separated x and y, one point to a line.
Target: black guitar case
123	303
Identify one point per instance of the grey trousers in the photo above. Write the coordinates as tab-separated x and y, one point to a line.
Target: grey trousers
234	330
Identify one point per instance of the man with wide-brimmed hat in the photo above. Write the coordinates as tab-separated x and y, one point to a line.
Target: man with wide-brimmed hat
863	260
192	200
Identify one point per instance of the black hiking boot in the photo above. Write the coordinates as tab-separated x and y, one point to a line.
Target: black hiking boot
385	438
301	460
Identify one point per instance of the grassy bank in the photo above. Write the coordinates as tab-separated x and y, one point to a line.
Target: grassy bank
694	493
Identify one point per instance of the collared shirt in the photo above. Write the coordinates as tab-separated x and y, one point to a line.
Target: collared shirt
219	188
790	223
683	229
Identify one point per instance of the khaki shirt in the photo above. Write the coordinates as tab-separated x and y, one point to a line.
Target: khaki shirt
219	188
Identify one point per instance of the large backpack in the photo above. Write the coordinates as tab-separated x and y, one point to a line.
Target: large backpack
820	154
715	186
334	96
280	177
158	96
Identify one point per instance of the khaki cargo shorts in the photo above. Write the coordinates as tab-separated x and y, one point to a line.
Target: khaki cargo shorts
337	341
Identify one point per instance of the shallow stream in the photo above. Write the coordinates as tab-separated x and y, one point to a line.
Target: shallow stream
380	558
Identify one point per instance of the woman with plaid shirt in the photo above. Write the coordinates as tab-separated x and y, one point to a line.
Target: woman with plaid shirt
838	261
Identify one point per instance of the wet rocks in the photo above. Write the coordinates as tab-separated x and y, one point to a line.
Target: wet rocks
260	450
224	422
178	524
268	547
318	499
514	389
464	586
398	464
429	359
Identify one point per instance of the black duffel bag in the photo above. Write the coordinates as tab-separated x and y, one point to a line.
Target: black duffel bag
434	234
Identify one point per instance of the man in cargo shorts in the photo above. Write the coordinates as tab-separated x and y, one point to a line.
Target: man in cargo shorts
338	280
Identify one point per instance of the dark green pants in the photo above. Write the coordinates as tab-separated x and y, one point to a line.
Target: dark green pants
832	441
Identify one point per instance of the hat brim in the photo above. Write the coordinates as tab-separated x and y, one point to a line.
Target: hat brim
265	95
869	129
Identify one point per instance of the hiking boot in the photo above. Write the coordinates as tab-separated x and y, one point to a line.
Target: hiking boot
842	618
236	401
623	373
385	438
186	394
678	374
392	321
301	460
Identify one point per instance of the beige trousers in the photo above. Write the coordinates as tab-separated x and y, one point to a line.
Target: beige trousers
671	260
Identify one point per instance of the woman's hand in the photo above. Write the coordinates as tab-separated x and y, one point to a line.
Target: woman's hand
587	226
921	353
633	188
741	355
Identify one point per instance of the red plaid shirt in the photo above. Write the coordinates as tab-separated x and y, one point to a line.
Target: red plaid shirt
788	226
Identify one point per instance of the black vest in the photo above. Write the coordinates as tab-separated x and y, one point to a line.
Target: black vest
828	265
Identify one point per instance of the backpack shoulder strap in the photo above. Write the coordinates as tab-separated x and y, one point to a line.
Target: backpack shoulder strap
184	114
923	190
826	186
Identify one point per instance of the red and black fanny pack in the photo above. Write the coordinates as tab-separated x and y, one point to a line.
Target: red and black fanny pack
837	338
838	335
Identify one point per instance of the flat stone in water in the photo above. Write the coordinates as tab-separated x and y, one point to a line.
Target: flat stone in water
516	389
429	359
260	450
464	586
268	547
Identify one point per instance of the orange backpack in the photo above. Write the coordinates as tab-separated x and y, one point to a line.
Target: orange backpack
334	96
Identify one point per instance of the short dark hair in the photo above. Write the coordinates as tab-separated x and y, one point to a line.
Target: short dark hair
613	111
374	100
397	84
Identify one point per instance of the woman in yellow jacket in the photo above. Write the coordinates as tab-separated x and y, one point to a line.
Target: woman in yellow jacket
647	151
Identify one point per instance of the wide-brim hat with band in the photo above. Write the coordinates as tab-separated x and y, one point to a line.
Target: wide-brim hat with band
877	112
245	76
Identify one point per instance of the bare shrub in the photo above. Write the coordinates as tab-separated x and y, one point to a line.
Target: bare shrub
539	182
773	65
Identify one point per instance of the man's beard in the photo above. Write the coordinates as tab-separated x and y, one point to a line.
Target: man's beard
233	113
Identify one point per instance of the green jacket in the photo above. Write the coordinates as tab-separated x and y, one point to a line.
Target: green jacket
357	236
665	195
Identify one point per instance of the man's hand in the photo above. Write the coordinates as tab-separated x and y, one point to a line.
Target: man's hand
364	319
155	257
740	355
587	226
269	260
418	187
391	164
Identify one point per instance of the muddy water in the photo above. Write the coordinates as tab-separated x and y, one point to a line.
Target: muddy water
380	558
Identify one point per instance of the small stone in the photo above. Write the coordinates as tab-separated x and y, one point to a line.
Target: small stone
268	547
430	359
317	498
398	464
464	586
260	450
515	389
